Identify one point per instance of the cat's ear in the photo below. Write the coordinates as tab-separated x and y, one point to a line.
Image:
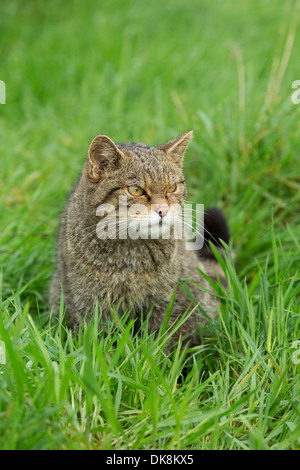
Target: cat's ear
103	156
176	147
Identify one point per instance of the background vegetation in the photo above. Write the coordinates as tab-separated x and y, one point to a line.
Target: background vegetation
147	71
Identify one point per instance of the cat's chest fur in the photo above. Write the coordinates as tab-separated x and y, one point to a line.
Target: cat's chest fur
132	270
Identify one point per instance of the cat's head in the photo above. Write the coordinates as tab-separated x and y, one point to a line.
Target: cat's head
149	181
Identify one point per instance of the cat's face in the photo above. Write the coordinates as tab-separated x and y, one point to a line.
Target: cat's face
142	188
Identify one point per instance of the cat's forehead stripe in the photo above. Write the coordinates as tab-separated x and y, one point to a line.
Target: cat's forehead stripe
138	148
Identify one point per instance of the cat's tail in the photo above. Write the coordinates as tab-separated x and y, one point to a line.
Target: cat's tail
215	230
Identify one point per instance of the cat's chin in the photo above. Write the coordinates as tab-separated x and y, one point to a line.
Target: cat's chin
151	228
156	231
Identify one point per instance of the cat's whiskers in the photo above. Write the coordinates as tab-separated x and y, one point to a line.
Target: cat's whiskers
211	217
204	230
198	230
123	223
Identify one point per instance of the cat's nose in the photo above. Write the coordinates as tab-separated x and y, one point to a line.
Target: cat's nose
162	210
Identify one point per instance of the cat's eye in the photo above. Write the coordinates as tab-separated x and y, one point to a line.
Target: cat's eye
135	190
172	188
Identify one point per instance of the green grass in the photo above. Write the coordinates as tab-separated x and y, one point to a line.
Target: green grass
147	71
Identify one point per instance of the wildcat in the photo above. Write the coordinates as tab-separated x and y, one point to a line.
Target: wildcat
142	273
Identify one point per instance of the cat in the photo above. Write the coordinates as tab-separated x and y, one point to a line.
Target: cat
134	273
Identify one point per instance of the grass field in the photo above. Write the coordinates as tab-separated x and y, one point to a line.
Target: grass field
148	71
